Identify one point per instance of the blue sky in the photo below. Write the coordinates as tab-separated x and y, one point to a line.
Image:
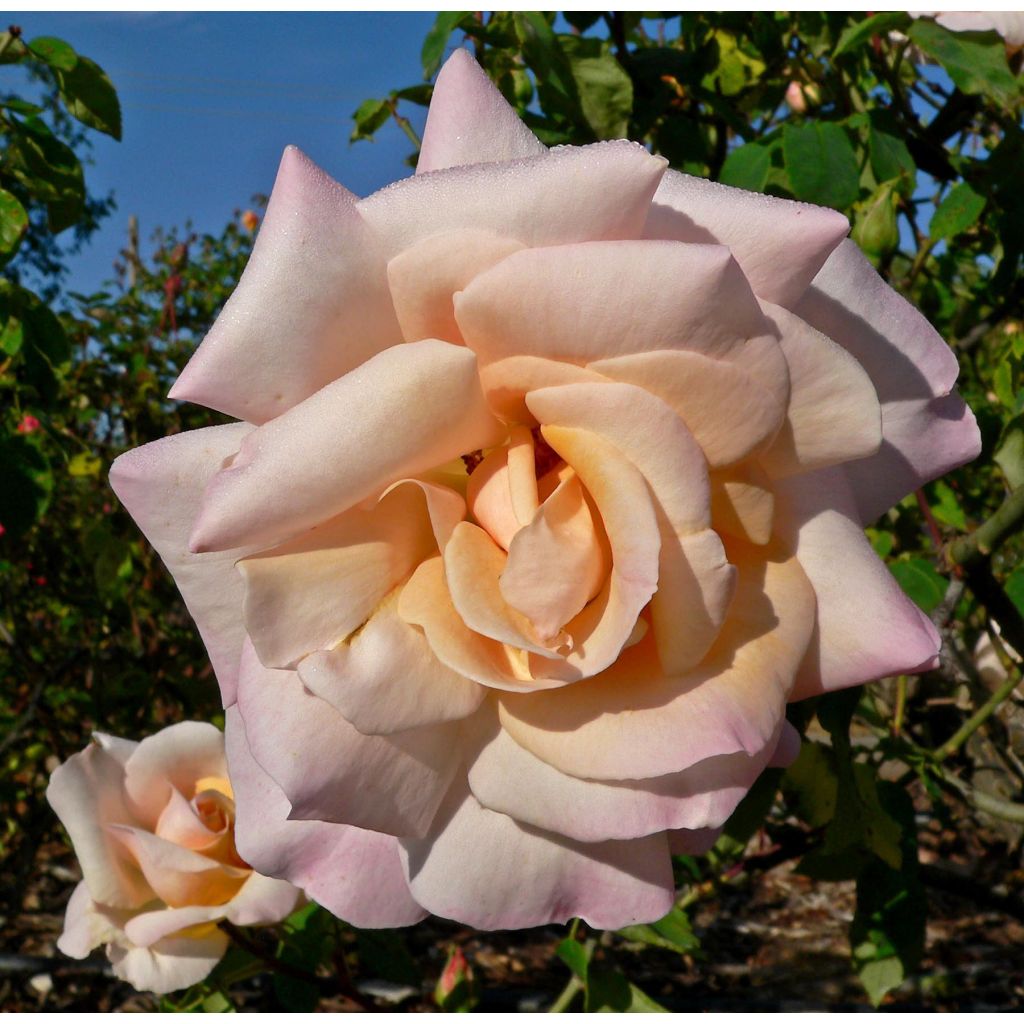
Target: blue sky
211	100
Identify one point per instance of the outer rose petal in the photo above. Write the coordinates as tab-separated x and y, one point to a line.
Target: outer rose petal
355	874
507	778
330	772
470	122
85	926
161	484
572	194
312	304
780	244
833	414
406	411
596	300
488	871
926	430
172	963
866	626
260	900
86	792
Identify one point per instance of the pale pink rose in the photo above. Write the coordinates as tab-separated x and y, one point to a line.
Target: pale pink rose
1009	24
546	495
152	824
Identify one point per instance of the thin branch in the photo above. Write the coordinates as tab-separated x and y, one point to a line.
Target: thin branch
983	541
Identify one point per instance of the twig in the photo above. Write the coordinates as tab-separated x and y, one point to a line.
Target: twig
970	550
978	719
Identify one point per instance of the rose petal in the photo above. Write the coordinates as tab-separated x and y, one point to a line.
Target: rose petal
311	593
174	758
519	878
426	602
85	926
424	277
556	563
387	679
180	877
469	121
87	793
507	778
473	565
179	824
833	414
695	580
172	963
692	842
312	304
596	300
573	194
633	722
926	430
161	484
742	502
354	874
331	772
724	403
406	410
629	519
867	627
780	244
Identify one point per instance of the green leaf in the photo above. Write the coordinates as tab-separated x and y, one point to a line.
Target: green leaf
976	61
12	336
12	49
605	93
437	40
958	211
811	783
384	954
946	507
673	932
13	225
921	582
735	70
1009	456
1015	588
754	807
888	930
890	158
217	1002
85	464
878	24
89	96
821	164
543	53
574	955
610	992
27	484
1002	384
747	167
47	168
370	116
54	52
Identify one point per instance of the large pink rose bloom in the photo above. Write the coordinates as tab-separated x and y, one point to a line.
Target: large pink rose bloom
152	824
547	495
